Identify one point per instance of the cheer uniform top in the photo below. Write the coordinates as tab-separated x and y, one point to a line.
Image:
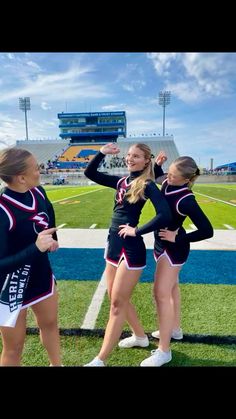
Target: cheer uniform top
182	203
22	217
132	249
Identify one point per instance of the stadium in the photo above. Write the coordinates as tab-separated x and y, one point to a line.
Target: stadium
83	211
82	134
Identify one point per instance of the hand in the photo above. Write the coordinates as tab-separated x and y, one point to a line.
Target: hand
110	148
168	235
127	231
44	240
161	158
54	246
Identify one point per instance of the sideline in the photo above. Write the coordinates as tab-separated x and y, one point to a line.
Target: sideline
96	239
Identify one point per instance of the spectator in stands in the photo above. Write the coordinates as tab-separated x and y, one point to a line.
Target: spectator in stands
171	250
126	256
27	230
42	168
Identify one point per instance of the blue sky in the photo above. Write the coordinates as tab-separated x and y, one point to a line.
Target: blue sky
201	116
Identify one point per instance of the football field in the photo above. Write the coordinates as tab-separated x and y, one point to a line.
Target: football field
207	282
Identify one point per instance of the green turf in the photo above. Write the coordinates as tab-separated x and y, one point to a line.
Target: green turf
74	299
76	351
85	206
206	309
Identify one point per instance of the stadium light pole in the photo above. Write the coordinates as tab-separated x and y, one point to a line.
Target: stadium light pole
164	100
24	105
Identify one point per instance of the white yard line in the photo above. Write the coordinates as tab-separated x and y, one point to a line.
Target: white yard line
215	199
228	227
74	196
93	226
61	225
94	308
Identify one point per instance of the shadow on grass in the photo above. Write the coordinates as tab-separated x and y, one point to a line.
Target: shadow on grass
180	359
187	338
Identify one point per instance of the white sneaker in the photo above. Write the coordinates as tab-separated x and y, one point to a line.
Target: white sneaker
157	359
96	362
134	341
176	334
56	365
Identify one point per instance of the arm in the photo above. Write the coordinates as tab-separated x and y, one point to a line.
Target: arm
159	175
163	214
9	263
12	262
158	172
50	211
161	220
190	207
101	178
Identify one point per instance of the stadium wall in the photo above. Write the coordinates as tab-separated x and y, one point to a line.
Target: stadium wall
216	179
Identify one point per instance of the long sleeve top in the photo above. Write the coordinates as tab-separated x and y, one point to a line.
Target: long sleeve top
125	212
182	203
22	217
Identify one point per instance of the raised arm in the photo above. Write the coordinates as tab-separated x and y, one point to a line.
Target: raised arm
92	172
158	172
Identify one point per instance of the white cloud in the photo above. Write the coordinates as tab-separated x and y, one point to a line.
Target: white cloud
162	61
10	56
193	77
201	115
71	84
33	65
45	106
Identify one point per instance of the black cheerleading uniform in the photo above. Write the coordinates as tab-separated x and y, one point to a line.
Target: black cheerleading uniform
132	249
22	217
182	203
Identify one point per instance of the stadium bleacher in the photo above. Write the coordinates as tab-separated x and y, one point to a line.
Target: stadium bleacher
44	150
74	158
77	156
155	145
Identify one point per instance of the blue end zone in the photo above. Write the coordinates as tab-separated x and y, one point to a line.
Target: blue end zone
202	267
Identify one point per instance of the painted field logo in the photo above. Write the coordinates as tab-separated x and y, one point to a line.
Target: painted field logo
13	289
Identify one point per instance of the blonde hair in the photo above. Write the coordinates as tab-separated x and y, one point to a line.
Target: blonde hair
188	168
13	162
136	191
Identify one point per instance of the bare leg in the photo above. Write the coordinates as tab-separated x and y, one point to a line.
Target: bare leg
13	339
120	296
46	316
133	320
110	273
132	317
177	304
166	277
